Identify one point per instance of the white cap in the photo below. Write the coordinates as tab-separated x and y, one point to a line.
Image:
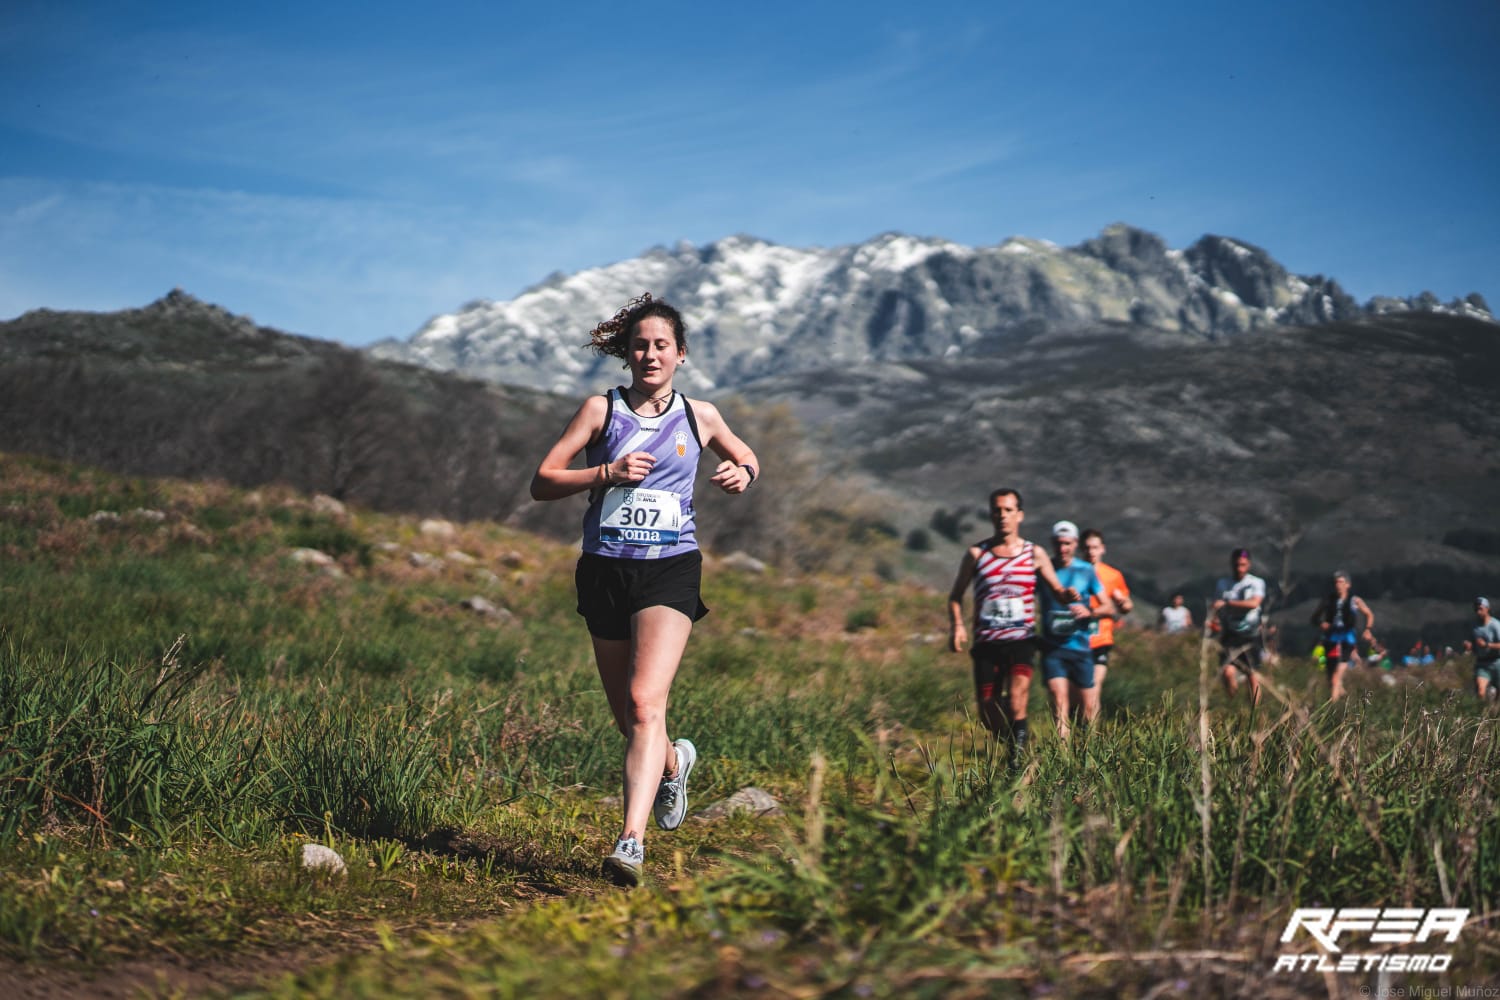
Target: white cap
1065	529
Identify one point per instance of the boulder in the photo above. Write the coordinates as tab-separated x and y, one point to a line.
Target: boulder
329	507
743	562
311	557
316	857
485	608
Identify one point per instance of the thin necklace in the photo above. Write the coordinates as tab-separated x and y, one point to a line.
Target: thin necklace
653	399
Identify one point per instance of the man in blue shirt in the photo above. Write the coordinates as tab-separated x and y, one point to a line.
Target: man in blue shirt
1067	664
1486	650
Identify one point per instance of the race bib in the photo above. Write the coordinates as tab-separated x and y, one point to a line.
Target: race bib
1002	612
640	517
1061	623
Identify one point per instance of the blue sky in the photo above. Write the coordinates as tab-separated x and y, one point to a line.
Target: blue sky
347	170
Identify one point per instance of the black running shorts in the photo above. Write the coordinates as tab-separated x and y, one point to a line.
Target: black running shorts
996	662
1243	656
611	591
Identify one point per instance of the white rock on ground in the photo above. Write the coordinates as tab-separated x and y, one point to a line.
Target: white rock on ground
486	608
328	506
752	800
744	562
316	857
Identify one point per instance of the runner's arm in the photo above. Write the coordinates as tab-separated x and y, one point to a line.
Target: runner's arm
1364	609
739	466
1085	607
958	637
553	479
1049	576
1111	607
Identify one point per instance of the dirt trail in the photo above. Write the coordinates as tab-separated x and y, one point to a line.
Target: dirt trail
170	974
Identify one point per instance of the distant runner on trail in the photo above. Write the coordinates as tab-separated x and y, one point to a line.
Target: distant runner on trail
1486	650
1176	617
1067	626
638	577
1003	570
1338	617
1102	642
1237	611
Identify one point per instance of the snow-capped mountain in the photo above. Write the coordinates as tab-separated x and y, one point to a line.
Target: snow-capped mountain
755	308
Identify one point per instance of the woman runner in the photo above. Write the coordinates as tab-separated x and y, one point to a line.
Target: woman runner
638	576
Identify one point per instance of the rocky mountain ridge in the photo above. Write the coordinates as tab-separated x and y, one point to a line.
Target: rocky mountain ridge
1364	444
756	309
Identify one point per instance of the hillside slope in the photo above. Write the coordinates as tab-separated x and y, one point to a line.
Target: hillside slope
183	388
1367	446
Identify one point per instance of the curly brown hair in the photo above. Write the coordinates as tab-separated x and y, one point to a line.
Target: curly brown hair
612	336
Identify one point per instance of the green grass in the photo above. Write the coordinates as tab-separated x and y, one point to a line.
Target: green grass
179	714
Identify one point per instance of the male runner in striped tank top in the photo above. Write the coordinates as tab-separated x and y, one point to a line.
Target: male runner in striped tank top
1003	571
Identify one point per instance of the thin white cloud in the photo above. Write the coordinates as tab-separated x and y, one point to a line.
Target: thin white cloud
363	184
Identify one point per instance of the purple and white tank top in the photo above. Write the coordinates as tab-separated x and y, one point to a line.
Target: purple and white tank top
653	518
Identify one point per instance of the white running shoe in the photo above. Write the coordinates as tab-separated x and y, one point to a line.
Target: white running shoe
670	807
623	867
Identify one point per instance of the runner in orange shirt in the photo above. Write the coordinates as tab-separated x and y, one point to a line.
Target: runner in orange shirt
1113	582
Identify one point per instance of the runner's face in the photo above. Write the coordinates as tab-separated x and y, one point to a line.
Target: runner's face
1341	586
1094	549
1066	547
1241	566
1006	516
654	354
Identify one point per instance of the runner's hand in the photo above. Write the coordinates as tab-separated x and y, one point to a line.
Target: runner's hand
731	478
1080	611
958	637
632	468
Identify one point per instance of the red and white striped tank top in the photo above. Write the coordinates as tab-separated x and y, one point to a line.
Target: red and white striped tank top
1004	594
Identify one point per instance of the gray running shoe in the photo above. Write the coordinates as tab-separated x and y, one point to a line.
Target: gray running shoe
623	867
670	807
